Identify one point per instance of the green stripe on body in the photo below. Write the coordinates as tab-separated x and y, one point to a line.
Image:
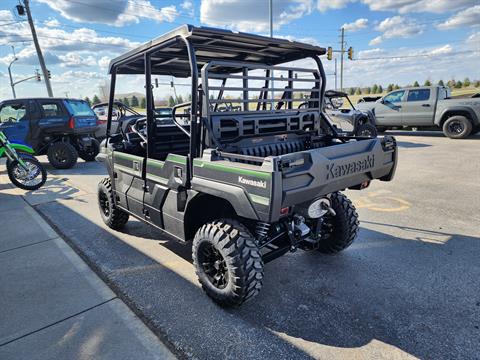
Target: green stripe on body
235	170
176	159
126	156
155	163
158	179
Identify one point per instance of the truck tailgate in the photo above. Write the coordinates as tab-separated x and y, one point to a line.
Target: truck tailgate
313	173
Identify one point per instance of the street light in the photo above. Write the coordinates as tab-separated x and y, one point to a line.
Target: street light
10	73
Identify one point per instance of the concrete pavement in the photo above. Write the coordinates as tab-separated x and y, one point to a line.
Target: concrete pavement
52	305
407	288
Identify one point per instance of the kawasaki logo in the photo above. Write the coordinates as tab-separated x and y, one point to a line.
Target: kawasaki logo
257	183
335	171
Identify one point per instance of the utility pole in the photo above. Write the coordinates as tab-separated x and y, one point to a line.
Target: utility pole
39	50
336	74
342	44
270	3
10	73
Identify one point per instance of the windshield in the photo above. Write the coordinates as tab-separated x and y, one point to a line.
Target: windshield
80	108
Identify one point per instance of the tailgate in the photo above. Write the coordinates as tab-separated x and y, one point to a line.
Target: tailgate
85	122
313	173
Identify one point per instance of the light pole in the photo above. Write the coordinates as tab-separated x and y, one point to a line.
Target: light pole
10	73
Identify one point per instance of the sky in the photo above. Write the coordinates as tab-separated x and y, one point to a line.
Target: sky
394	41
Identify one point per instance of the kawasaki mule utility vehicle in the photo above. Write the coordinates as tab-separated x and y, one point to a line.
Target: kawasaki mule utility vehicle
250	169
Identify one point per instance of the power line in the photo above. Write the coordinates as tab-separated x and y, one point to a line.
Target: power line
418	55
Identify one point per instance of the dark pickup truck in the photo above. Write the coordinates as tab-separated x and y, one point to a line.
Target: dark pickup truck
426	107
60	128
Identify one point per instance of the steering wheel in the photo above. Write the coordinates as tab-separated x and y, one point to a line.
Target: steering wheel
140	128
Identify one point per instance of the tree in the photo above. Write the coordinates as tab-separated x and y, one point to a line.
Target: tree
125	101
466	82
171	101
451	83
134	101
477	84
368	90
416	84
351	91
380	89
189	97
440	83
389	87
95	100
143	103
179	99
396	87
427	83
374	88
88	101
358	91
458	84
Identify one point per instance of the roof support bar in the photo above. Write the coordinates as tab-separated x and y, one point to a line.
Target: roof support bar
111	99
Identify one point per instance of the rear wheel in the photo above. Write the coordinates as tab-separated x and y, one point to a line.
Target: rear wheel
339	230
30	177
228	262
381	129
366	130
457	127
91	152
62	155
112	216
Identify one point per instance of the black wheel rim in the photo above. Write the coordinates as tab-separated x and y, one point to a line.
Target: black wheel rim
455	127
213	265
60	155
104	203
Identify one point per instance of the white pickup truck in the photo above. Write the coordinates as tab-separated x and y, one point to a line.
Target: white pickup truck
426	107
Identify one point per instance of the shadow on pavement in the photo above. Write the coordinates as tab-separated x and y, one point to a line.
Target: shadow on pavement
407	144
438	134
409	294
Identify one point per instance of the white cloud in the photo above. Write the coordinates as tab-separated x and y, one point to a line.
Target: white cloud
252	15
52	23
104	61
401	6
467	17
324	5
114	12
474	39
358	24
186	5
73	59
396	27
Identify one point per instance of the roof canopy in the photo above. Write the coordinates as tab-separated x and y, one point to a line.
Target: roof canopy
170	56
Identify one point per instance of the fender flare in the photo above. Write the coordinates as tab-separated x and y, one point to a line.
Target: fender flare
439	120
20	147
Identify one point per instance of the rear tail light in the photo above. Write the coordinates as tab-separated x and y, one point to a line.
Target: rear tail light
100	122
71	123
284	211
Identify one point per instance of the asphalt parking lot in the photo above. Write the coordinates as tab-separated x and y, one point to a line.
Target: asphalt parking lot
409	287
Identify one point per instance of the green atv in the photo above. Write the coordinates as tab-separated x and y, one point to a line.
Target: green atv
249	169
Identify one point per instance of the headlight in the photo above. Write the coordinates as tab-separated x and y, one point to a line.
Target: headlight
318	208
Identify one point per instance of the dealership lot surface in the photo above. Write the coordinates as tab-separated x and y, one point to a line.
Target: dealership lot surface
408	287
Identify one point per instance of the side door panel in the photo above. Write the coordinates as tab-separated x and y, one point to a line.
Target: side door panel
389	113
419	108
129	184
15	121
54	116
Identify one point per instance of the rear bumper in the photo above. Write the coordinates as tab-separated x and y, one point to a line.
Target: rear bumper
313	173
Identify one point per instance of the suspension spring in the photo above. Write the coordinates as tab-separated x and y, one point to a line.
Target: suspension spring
261	230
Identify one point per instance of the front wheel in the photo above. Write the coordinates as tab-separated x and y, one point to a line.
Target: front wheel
29	177
457	127
366	130
228	262
112	216
339	230
90	153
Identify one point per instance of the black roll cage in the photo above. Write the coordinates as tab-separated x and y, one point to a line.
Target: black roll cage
145	52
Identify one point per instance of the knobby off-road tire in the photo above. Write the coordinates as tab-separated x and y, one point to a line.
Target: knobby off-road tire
112	216
343	226
227	247
62	155
367	130
39	174
90	154
457	127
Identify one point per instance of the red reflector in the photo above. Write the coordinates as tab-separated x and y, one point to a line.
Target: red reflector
100	122
284	211
71	123
365	184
